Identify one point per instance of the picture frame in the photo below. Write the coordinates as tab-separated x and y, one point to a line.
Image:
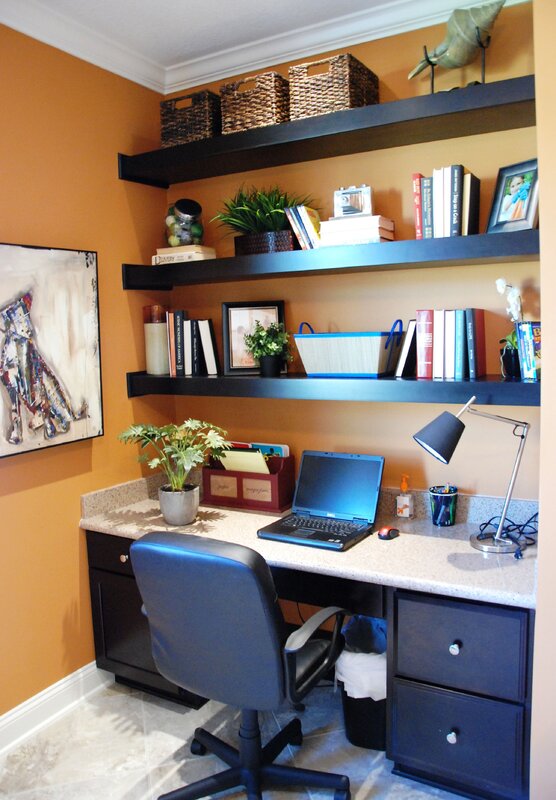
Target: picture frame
237	320
353	201
516	198
50	378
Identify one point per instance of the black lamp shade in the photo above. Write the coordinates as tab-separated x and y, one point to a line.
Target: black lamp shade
441	436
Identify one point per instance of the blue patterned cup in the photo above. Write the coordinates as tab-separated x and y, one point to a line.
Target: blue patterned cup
443	504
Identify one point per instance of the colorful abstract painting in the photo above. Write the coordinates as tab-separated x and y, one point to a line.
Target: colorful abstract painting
50	386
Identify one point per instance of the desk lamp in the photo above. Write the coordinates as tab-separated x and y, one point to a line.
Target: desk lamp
440	438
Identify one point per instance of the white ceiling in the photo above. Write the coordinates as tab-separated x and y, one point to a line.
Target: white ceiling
169	45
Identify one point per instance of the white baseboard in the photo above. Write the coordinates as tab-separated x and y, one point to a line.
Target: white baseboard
50	704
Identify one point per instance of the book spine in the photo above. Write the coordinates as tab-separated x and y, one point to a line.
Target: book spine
416	179
296	228
424	334
171	343
426	200
438	343
525	346
449	344
460	355
476	352
187	347
456	180
311	224
198	366
406	363
438	203
178	338
208	341
301	225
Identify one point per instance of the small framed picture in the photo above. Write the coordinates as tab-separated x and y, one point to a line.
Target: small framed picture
516	198
353	200
239	319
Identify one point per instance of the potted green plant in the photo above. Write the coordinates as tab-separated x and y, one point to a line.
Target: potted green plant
259	216
269	346
509	354
178	449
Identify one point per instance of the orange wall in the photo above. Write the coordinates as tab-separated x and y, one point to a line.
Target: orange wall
65	122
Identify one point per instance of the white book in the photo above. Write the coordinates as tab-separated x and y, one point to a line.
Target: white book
207	342
360	221
450	344
438	203
447	200
406	346
187	347
438	344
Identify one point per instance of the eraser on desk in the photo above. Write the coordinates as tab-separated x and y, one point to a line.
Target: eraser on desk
267	449
245	461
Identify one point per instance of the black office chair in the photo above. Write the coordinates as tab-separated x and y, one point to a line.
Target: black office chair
217	630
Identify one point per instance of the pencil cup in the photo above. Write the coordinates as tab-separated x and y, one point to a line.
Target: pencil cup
443	504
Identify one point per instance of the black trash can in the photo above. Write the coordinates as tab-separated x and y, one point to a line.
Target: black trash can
364	721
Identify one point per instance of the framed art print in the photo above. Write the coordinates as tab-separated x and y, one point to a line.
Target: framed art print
516	198
50	384
239	319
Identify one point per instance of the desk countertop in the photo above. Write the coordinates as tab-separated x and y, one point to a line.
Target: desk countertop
424	558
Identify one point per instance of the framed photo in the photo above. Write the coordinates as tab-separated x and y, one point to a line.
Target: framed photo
516	198
239	319
353	200
50	387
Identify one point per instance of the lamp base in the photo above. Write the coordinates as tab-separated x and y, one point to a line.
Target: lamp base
488	544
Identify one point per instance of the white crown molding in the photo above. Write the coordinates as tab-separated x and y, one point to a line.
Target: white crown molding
390	18
49	705
39	22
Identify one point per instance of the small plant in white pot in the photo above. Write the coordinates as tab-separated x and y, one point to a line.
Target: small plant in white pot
269	346
178	449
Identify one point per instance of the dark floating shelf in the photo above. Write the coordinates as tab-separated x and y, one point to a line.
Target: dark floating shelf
458	251
484	108
490	390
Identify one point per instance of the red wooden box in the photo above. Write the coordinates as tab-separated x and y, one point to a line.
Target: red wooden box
272	492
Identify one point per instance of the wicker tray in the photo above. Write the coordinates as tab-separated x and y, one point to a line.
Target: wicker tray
346	84
189	118
265	103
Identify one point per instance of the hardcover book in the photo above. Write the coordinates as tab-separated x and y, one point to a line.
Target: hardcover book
456	185
438	343
310	221
179	317
424	334
438	203
450	344
208	341
470	204
476	343
416	179
408	357
426	201
460	356
295	224
198	365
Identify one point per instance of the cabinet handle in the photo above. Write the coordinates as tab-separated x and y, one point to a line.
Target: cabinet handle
452	737
124	558
455	648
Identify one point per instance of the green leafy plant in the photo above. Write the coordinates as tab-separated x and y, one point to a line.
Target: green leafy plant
510	341
177	448
258	210
271	341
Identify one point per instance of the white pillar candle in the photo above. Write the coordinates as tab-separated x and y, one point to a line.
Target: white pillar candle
156	340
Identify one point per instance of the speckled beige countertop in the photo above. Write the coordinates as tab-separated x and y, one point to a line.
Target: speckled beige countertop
424	558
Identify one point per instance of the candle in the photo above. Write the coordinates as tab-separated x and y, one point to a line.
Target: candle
156	340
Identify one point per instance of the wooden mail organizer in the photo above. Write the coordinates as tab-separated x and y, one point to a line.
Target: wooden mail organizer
254	490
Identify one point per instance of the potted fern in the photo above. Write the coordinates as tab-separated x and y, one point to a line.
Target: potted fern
178	450
269	346
259	216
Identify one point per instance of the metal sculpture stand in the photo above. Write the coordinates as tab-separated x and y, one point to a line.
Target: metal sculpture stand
483	46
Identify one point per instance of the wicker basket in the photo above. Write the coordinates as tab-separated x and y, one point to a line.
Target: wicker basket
189	118
346	84
267	102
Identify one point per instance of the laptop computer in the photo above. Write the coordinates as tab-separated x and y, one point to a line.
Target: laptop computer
335	501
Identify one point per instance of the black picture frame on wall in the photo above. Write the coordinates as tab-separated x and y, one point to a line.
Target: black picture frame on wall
239	319
515	206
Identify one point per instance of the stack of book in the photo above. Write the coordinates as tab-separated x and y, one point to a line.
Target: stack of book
446	204
444	344
187	252
305	223
529	349
192	347
356	229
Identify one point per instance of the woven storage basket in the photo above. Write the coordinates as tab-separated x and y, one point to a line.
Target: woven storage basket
197	118
267	102
346	84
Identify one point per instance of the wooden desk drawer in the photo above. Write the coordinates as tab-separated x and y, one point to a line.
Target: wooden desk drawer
460	644
469	742
109	552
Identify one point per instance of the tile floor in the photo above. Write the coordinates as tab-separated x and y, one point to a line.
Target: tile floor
122	744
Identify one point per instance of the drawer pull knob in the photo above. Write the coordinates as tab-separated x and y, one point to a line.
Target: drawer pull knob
452	737
455	648
124	558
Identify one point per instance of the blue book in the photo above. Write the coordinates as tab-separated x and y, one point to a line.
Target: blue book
460	371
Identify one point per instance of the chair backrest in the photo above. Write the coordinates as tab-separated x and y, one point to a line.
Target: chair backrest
215	623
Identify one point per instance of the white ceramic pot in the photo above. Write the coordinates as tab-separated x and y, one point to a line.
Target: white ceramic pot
179	508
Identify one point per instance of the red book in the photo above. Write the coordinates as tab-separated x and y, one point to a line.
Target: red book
417	204
424	333
476	341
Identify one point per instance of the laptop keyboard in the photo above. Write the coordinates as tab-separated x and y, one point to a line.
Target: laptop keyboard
335	527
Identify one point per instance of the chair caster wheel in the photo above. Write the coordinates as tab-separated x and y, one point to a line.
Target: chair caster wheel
197	748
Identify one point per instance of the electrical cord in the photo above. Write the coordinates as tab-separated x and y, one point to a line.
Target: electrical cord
522	536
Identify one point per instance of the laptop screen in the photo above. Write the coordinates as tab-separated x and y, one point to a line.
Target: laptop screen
340	485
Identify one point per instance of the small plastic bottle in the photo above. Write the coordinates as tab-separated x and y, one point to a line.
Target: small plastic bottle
404	501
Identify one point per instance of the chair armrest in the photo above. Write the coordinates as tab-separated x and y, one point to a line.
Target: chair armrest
301	636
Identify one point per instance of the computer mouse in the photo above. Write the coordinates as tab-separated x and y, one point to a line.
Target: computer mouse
388	533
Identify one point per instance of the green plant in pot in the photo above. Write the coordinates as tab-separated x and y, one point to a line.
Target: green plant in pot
509	354
259	216
269	346
177	450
